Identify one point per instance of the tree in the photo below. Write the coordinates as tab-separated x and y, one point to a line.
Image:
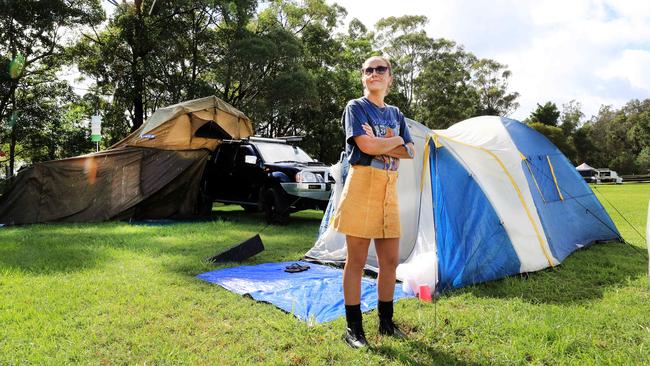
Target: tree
584	146
596	128
405	42
490	79
638	119
32	34
621	137
643	160
266	64
436	80
619	151
307	98
287	87
556	136
118	57
183	50
46	123
50	123
547	114
443	88
571	117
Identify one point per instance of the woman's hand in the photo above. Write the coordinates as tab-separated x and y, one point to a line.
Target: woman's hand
400	152
368	130
372	145
377	146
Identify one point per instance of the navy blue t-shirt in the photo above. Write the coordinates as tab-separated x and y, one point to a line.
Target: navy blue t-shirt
385	122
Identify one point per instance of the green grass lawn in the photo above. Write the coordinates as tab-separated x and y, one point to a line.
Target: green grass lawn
115	293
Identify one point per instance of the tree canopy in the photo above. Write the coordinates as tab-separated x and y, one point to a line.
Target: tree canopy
289	65
34	38
616	139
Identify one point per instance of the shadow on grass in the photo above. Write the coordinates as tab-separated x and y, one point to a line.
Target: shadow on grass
426	355
583	276
42	258
71	247
227	213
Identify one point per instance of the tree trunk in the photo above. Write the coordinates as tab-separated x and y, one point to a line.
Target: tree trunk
12	143
195	26
12	152
4	102
137	72
138	105
226	84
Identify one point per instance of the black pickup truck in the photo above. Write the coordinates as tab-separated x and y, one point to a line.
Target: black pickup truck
266	174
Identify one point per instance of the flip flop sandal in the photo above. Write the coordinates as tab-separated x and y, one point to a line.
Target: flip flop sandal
295	268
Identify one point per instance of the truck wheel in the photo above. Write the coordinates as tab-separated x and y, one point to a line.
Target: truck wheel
250	208
274	207
204	204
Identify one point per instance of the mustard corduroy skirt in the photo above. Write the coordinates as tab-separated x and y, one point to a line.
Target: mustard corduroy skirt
369	207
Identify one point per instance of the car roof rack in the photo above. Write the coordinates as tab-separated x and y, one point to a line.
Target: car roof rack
267	139
290	138
277	140
281	139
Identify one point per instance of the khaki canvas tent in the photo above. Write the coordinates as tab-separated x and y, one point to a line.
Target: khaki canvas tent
153	173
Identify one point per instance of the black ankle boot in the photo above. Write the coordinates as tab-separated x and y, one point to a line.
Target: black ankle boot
387	327
354	335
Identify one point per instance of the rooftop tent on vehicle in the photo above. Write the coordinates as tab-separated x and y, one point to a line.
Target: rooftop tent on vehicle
486	198
191	125
153	173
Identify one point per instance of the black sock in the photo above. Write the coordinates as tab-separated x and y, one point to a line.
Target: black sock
385	310
353	313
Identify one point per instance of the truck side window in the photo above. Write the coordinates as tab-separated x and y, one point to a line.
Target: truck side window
226	156
241	154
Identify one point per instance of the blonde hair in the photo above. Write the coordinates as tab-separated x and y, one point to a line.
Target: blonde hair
390	71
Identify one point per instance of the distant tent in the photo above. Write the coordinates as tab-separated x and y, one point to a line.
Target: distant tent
486	198
584	167
153	173
585	170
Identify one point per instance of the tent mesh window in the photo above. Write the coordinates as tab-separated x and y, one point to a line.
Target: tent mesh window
212	130
541	167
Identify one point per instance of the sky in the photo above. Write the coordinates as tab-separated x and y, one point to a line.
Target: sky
596	52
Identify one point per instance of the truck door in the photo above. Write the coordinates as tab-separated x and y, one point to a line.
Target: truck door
246	174
221	182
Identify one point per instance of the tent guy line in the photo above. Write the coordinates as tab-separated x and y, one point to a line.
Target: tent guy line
571	196
628	222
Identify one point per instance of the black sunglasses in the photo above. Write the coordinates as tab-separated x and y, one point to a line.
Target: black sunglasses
381	70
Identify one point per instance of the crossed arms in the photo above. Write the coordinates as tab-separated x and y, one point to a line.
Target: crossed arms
390	146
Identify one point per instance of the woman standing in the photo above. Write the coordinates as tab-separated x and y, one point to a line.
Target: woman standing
376	139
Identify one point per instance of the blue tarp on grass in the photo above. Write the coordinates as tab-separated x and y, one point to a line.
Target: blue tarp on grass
315	295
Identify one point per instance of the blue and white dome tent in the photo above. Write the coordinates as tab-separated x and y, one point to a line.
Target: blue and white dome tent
486	198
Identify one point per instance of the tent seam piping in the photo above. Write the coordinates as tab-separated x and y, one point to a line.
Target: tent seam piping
516	187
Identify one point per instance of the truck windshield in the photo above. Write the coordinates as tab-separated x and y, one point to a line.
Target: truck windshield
275	153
